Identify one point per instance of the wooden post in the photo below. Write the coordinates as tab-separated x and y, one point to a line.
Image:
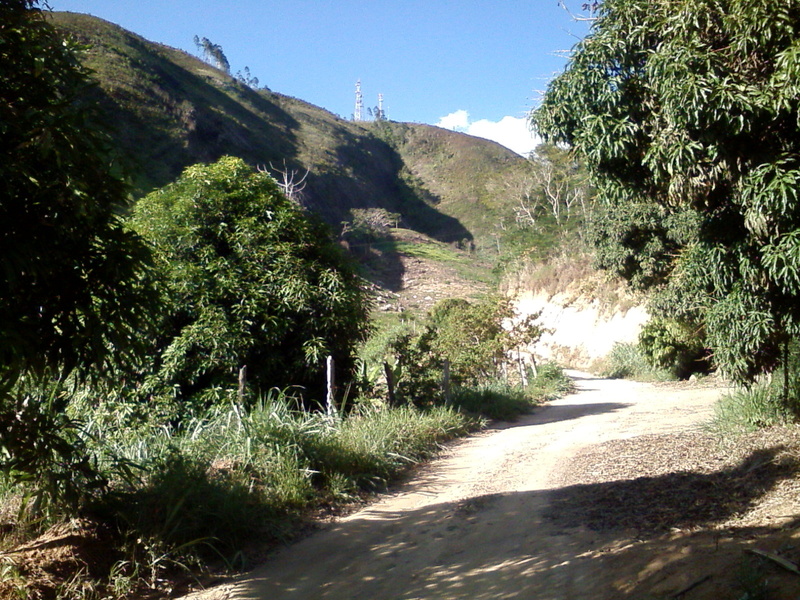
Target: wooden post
446	381
387	370
242	383
523	375
329	401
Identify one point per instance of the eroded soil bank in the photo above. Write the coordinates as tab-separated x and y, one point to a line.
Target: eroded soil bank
613	492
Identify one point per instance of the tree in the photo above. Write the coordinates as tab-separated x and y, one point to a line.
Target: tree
251	280
214	55
75	296
688	110
73	278
245	78
554	183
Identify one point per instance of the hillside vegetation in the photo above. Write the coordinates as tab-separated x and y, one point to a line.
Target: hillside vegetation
171	110
195	367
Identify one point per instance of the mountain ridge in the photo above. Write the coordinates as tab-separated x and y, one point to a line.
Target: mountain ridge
170	109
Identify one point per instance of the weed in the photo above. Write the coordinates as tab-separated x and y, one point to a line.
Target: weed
745	410
626	361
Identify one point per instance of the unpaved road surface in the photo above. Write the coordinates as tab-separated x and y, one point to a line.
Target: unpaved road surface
479	523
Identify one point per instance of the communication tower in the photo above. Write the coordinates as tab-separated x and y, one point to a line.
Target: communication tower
358	115
380	116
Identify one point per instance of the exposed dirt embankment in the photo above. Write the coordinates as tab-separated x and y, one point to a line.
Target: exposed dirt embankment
582	330
585	311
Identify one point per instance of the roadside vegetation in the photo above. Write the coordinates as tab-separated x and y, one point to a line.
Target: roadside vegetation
164	384
684	115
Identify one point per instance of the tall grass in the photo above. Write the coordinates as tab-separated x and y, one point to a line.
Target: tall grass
745	410
212	485
506	402
626	361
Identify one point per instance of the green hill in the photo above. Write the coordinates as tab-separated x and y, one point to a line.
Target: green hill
170	109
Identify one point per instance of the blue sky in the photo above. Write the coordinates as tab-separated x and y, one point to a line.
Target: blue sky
472	65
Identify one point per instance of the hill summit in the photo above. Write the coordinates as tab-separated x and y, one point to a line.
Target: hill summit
170	109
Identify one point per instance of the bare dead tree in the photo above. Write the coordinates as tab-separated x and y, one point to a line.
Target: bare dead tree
530	204
287	179
547	187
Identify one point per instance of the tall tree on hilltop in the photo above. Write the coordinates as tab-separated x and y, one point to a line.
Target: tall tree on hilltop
213	54
685	112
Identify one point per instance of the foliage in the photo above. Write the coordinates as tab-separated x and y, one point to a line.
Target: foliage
673	346
236	474
627	361
43	449
251	280
73	289
688	109
475	339
744	410
75	285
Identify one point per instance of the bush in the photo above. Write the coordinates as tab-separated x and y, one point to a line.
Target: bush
626	361
251	280
748	409
674	347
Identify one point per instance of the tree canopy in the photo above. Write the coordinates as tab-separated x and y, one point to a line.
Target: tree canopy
73	287
250	280
686	114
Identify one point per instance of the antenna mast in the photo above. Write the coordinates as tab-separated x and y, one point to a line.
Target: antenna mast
380	114
358	115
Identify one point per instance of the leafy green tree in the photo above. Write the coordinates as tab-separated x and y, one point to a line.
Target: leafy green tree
688	110
250	280
73	289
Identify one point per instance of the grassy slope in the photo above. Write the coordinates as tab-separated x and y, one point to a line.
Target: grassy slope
467	177
171	110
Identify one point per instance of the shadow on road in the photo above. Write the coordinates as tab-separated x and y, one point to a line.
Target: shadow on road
566	412
533	545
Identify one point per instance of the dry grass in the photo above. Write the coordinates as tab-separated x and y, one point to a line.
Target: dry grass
571	275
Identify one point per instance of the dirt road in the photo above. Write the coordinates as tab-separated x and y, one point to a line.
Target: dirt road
486	520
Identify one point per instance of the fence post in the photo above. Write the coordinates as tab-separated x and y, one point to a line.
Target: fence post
387	370
329	401
242	383
446	381
523	375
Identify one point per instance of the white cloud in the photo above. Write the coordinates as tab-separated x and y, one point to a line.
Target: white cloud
457	121
511	132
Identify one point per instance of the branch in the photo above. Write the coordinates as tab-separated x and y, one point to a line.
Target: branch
575	17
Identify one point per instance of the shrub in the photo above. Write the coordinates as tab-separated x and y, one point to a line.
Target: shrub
745	410
675	347
251	280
